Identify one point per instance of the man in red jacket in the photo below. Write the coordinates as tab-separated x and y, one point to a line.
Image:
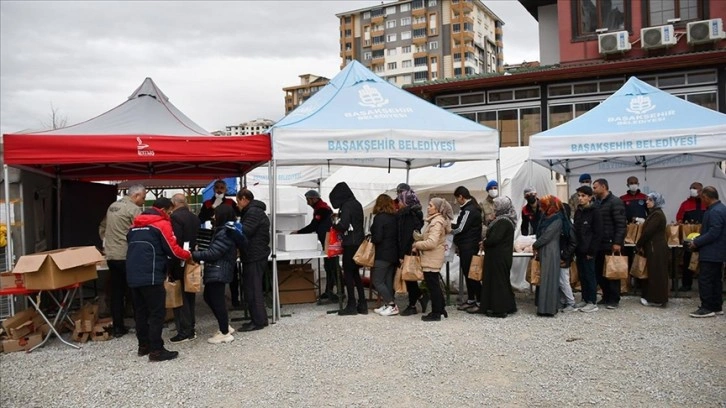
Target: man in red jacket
690	212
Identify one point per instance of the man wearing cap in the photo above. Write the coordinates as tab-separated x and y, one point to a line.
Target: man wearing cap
690	212
487	205
530	212
585	180
321	224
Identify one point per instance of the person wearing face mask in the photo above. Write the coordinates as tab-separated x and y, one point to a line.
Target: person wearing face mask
690	212
585	181
531	213
487	205
634	200
220	190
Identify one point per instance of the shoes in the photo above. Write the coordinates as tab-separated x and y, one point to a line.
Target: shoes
348	311
431	317
701	312
230	330
181	339
389	310
589	308
363	308
143	350
684	289
250	327
579	305
718	312
220	337
410	310
643	302
378	310
612	306
424	300
120	332
163	355
474	310
568	309
602	302
333	298
465	305
324	296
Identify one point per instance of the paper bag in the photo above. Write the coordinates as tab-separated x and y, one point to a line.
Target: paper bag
687	229
399	285
411	268
673	234
616	267
333	243
633	233
693	264
574	275
173	294
192	277
533	272
639	268
476	268
365	256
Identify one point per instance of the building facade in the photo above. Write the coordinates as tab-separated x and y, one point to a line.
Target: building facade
582	71
414	41
296	95
252	127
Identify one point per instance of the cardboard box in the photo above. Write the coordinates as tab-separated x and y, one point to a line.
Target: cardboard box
86	318
11	280
297	242
19	318
102	330
26	328
297	284
24	344
58	268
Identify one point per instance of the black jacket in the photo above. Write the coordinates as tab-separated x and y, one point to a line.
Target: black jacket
568	239
409	219
612	211
384	235
206	212
256	227
221	256
321	221
350	214
467	230
588	229
185	225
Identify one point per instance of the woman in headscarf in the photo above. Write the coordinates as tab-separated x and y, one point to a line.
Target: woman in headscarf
432	248
547	250
652	244
497	298
410	219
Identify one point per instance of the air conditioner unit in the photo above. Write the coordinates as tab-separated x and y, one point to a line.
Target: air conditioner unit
657	37
610	43
705	31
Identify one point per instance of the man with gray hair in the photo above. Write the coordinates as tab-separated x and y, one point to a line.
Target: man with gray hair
185	225
113	229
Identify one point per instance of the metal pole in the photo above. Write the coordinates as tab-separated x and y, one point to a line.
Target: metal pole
8	228
272	177
58	211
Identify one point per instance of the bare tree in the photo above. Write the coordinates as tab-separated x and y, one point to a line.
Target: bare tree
56	120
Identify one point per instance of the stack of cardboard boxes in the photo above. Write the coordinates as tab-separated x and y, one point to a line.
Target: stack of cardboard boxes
23	331
87	325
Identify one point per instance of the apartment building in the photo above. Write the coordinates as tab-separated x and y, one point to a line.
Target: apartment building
296	95
588	49
414	41
252	127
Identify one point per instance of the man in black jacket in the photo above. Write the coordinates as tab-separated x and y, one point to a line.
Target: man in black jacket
256	227
185	225
467	235
612	212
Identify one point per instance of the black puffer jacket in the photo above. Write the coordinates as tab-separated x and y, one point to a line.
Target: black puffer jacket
384	235
409	219
588	229
467	230
350	214
256	227
221	256
612	211
568	239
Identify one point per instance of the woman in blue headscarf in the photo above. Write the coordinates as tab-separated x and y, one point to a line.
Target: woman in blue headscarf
652	244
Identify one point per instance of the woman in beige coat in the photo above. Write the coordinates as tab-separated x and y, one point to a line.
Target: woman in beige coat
431	247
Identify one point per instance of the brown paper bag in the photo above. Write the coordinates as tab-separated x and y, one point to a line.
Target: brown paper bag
173	294
687	229
192	277
365	256
693	264
574	275
625	286
399	285
673	234
633	233
476	268
411	268
533	273
639	268
616	267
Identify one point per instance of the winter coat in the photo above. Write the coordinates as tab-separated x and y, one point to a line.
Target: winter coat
568	241
588	229
487	210
409	219
612	211
151	240
653	244
711	244
321	221
350	214
384	235
467	230
185	225
432	246
221	256
207	211
115	225
256	227
530	218
634	206
691	211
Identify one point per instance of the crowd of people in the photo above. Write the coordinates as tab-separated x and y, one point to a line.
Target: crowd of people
146	248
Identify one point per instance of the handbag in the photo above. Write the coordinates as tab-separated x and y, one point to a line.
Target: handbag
632	235
616	266
192	277
399	285
365	256
411	268
639	269
476	268
173	294
333	244
534	272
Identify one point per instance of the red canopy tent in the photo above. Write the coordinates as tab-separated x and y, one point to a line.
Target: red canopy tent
144	137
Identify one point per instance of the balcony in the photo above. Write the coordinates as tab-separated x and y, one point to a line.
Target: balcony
463	6
464	36
419	54
419	24
377	19
420	40
418	12
378	46
377	33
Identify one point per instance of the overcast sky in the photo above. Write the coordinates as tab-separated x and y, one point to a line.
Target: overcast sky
220	63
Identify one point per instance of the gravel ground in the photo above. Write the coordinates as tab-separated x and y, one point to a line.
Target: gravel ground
633	356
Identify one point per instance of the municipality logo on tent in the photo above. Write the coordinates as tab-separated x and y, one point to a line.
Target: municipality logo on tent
640	105
371	97
641	111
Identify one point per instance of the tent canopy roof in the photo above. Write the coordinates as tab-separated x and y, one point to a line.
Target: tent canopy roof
144	137
637	126
360	119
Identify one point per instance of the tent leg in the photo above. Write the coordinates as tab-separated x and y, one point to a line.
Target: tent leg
58	211
272	176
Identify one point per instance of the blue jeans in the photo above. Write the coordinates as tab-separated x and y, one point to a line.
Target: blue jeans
710	285
586	269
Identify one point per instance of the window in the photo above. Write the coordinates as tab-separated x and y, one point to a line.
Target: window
392	65
348	19
348	32
406	35
417	4
420	76
377	13
434	60
420	62
456	27
434	75
406	64
447	100
379	40
432	3
457	72
406	79
367	15
660	11
406	48
472	98
591	15
390	23
406	21
560	114
348	46
707	100
433	45
530	123
405	7
420	32
391	52
378	54
391	10
457	57
391	37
